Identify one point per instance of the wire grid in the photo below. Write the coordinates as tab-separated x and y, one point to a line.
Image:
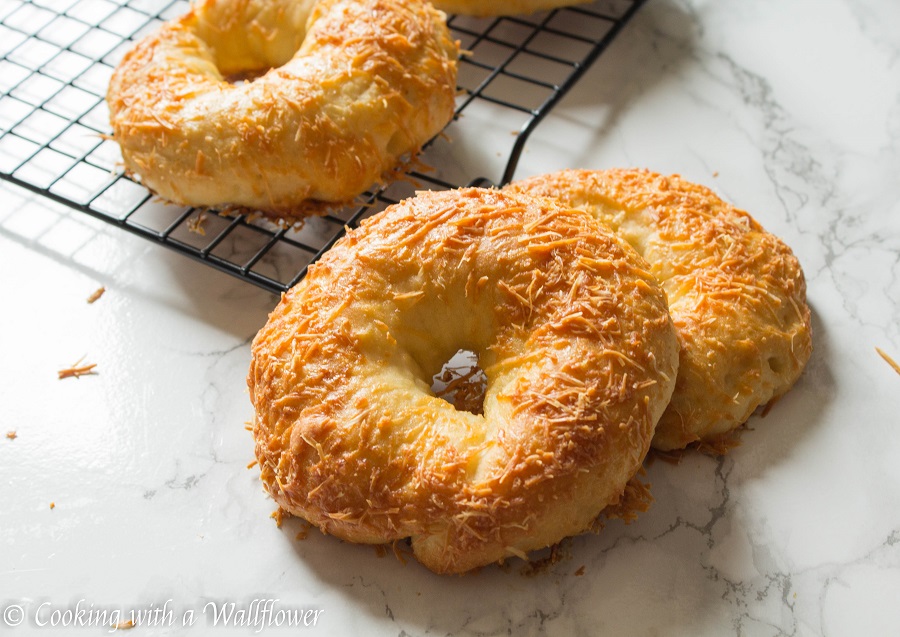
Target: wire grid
58	56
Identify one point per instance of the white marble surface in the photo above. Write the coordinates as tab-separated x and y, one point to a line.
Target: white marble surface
788	108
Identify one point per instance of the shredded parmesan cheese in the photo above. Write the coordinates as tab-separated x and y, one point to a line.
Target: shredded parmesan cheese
77	370
890	361
96	294
303	533
279	516
195	224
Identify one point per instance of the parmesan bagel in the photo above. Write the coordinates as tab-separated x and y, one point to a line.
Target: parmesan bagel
485	8
349	89
736	293
569	328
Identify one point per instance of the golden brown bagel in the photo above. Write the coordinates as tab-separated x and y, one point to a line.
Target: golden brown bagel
501	7
570	329
736	293
350	88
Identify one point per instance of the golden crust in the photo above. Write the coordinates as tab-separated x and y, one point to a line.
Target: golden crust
351	88
572	333
736	293
501	7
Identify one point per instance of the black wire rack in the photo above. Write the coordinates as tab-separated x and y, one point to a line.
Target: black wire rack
58	55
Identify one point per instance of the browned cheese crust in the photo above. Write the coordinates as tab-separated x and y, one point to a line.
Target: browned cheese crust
570	329
502	7
736	293
352	88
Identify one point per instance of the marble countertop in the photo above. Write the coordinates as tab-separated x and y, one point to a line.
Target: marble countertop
129	490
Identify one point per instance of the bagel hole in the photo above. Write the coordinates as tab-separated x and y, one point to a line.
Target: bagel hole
461	382
246	77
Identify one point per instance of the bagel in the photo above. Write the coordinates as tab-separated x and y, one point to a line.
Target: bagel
484	8
736	293
349	89
569	328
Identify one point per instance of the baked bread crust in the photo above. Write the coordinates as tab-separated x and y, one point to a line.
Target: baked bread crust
736	293
571	331
351	88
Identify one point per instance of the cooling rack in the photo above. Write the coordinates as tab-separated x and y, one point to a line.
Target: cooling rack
58	55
